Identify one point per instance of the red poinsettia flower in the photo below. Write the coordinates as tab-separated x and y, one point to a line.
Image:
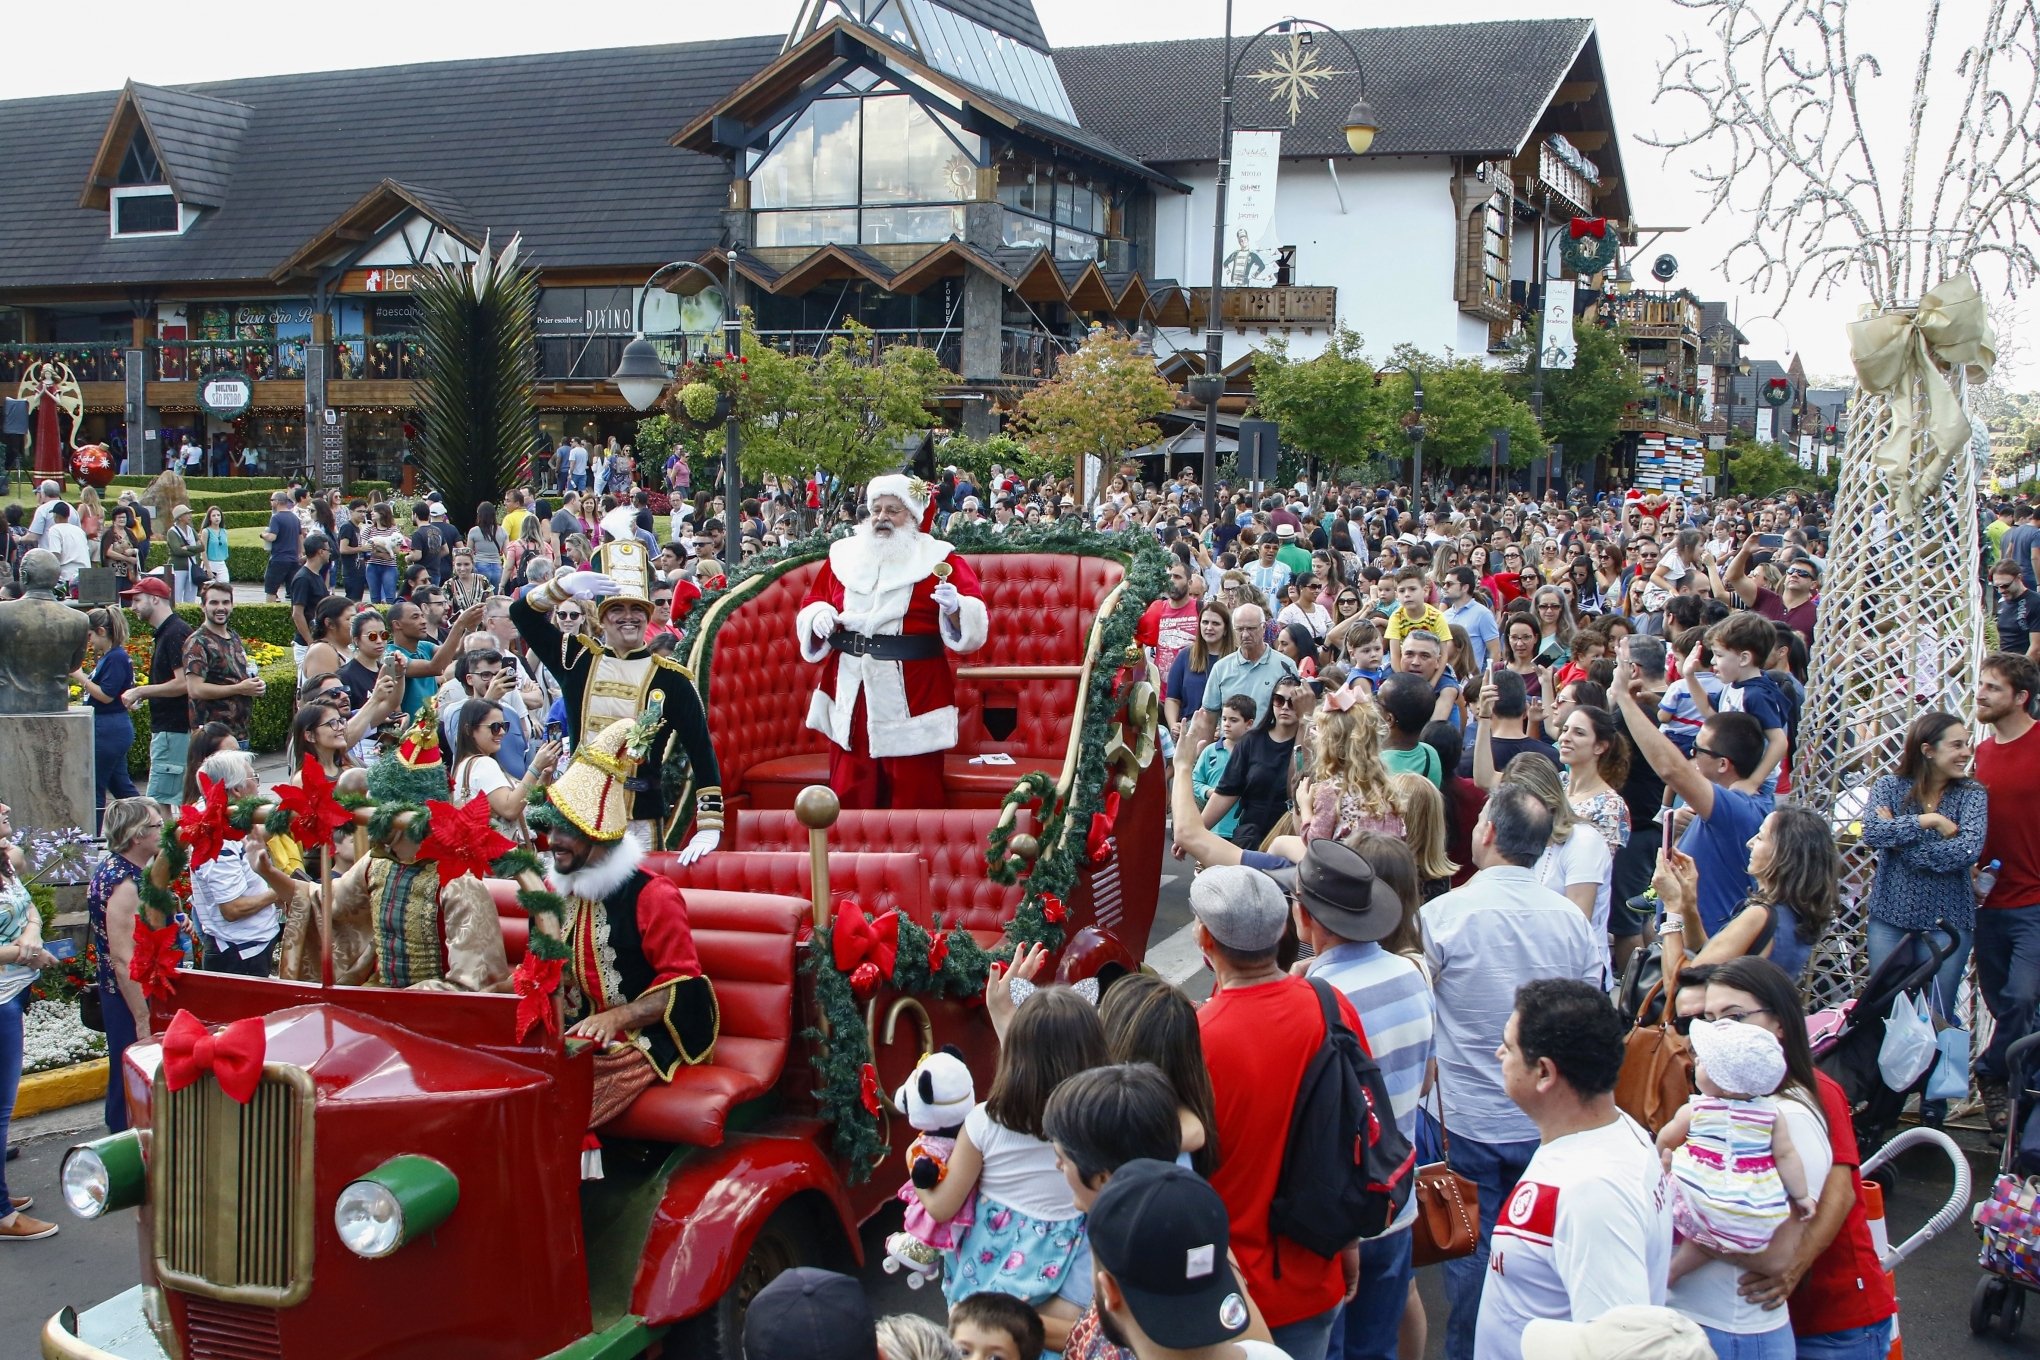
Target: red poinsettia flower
534	982
461	839
867	1089
1052	909
315	816
203	826
155	960
1098	843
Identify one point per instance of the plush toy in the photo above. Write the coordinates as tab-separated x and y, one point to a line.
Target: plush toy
935	1099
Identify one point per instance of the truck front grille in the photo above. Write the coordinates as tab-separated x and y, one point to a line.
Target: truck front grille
232	1188
230	1331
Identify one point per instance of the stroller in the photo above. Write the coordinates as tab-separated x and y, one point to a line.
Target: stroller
2009	1221
1846	1040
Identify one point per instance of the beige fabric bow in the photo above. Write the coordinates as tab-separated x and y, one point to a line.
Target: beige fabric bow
1950	330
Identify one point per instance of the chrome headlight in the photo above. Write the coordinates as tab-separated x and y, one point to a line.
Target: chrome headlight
398	1202
104	1175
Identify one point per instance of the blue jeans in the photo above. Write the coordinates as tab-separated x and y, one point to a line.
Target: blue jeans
2008	975
11	1022
1494	1168
1851	1343
492	572
1306	1338
113	735
1776	1344
1370	1325
120	1032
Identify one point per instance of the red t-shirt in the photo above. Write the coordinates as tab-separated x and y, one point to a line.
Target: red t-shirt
1168	628
1257	1042
2011	772
1845	1287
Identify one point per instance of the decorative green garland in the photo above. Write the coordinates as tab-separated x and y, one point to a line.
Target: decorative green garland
845	1043
540	904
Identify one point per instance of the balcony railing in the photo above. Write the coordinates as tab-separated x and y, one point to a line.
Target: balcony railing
105	361
947	344
1025	353
388	357
261	360
1664	315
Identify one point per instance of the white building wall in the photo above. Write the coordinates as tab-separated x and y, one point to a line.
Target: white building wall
1381	232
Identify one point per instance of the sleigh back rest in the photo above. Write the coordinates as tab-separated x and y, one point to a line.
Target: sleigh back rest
1041	607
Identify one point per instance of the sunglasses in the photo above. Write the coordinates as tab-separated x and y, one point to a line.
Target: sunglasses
1284	700
569	615
499	728
1802	575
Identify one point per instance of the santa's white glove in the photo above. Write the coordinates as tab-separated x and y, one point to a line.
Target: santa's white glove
947	598
854	622
586	584
823	623
700	844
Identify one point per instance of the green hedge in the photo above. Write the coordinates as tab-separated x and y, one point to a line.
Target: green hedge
268	724
269	622
264	484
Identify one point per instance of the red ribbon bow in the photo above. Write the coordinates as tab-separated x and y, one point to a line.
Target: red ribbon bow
857	938
714	582
938	950
867	1090
462	840
203	825
234	1055
155	960
314	815
1596	227
534	982
1098	844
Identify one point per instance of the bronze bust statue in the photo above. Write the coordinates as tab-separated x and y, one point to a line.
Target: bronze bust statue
41	641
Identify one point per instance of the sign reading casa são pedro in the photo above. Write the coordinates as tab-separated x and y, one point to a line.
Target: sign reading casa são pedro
225	394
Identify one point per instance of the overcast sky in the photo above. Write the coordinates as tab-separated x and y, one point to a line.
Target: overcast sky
146	42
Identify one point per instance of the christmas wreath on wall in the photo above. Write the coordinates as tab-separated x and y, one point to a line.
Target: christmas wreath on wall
856	954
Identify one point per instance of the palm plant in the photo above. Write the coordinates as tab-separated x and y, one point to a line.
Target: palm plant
480	329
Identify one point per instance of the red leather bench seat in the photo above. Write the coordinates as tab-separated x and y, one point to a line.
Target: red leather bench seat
776	783
951	842
879	882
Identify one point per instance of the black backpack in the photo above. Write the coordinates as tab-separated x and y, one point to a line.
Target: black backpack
1347	1171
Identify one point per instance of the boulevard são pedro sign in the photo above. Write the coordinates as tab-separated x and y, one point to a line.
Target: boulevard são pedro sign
225	393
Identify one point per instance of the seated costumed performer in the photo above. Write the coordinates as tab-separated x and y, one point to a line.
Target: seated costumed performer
394	923
632	981
882	613
618	677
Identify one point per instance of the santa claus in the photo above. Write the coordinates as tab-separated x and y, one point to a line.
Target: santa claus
885	608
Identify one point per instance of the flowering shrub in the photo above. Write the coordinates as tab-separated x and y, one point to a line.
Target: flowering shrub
66	980
55	854
697	400
53	1038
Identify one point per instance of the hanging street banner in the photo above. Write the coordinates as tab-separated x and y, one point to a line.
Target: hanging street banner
1764	414
1559	348
1250	210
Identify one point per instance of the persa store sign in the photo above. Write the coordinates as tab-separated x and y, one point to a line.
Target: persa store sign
225	395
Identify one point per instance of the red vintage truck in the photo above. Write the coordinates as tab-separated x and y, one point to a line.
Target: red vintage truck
458	1148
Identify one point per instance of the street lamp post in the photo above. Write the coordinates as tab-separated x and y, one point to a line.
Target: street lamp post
1360	128
641	376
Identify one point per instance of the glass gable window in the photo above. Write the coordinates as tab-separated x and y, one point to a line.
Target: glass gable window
139	166
864	145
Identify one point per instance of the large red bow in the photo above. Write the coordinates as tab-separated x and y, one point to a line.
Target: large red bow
314	815
1098	844
234	1055
155	959
857	938
462	840
203	825
1596	227
535	981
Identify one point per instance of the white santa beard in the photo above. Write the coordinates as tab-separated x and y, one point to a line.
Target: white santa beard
889	550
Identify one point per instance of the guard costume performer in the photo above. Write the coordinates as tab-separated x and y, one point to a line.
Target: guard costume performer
630	952
882	616
617	677
394	923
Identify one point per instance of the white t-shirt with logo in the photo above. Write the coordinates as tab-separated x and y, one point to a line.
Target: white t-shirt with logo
1588	1228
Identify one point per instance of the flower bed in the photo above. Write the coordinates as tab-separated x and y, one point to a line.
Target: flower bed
54	1038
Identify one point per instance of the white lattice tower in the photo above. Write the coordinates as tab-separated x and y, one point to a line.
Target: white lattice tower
1901	633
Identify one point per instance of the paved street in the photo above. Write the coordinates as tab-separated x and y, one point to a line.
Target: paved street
90	1261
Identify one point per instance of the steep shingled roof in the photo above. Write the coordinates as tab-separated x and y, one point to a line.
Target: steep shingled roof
588	182
1443	89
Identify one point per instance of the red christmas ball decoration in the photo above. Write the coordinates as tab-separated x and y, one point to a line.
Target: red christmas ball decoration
864	980
93	465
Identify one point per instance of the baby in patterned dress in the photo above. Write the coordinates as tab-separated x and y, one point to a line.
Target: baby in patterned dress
1736	1178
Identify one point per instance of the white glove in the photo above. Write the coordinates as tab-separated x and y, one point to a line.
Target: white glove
824	621
947	598
700	844
586	584
854	622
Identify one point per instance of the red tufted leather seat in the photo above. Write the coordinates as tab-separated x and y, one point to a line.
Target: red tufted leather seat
879	882
951	842
746	944
1041	607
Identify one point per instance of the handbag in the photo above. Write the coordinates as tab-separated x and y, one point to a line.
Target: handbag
1447	1226
1657	1063
90	1013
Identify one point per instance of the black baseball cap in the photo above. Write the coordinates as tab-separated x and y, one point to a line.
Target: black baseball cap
809	1314
1163	1233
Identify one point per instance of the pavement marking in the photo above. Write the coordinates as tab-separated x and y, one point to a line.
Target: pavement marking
1177	959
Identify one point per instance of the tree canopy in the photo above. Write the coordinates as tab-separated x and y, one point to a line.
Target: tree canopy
1583	405
1331	407
1101	401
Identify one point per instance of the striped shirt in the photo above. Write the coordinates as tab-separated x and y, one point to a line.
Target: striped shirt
1393	1002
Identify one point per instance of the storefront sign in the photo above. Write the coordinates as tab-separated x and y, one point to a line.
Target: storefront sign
383	279
1250	216
401	314
272	314
225	394
602	311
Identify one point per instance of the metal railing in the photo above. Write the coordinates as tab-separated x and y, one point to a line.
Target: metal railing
378	358
261	360
1025	353
947	343
102	361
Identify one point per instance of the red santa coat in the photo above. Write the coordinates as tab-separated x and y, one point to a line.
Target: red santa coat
909	706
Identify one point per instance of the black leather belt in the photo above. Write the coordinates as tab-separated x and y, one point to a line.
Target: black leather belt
887	647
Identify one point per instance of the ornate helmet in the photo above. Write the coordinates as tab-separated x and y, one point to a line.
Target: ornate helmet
624	560
591	796
414	772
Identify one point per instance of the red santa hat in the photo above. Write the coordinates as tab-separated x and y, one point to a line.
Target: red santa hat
911	491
